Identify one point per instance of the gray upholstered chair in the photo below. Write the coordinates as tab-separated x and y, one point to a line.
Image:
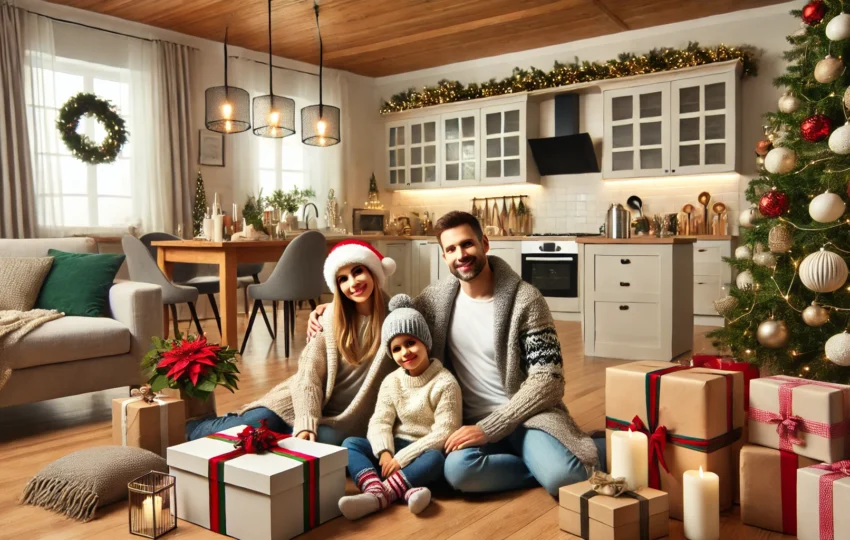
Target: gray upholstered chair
142	267
297	276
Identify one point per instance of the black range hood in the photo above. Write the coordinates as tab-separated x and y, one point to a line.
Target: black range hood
568	152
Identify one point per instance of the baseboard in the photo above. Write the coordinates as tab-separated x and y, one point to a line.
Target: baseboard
565	316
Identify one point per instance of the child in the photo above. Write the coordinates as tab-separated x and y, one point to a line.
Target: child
418	407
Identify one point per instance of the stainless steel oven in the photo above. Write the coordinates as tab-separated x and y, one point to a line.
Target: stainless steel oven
552	267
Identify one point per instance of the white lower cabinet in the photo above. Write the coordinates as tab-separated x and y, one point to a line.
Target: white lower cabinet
510	252
711	274
400	252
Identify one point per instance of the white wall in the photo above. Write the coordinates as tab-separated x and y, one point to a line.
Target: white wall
578	203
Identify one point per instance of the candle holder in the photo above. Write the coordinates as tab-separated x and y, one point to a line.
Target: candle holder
153	505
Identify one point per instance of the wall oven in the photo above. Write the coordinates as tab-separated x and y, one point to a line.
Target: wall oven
552	267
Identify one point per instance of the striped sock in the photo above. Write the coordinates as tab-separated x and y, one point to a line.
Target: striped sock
396	486
417	499
368	481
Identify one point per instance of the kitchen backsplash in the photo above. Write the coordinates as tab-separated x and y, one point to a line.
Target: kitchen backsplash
579	203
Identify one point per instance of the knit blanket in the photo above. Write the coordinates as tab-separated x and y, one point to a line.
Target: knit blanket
14	325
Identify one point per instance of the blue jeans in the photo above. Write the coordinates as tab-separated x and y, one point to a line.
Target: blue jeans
525	458
202	428
422	471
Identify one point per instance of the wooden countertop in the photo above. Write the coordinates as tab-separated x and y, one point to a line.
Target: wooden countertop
637	240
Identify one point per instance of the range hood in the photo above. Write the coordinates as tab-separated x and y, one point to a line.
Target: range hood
568	152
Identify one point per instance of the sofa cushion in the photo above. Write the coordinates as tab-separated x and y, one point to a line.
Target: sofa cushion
78	283
68	339
37	247
22	278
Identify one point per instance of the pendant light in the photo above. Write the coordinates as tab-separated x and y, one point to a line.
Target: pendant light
227	108
320	123
274	116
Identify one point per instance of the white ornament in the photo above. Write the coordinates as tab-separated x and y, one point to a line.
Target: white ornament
839	27
747	218
743	253
780	160
837	349
846	99
839	140
823	271
765	258
828	69
826	208
744	280
789	103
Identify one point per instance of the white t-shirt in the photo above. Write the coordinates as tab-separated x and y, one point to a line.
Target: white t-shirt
473	355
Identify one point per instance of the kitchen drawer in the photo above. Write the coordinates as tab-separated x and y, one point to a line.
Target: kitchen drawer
633	324
628	273
707	289
710	268
707	253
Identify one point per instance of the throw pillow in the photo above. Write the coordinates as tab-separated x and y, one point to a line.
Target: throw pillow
79	483
78	284
22	278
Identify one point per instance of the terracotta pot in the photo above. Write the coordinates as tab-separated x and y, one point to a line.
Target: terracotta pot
195	408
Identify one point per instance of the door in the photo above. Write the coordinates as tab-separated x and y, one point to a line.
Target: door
396	153
460	147
424	143
503	143
637	132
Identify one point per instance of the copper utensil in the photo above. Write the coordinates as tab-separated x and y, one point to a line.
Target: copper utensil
688	209
704	199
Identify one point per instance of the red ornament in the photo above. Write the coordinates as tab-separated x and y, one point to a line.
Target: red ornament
774	203
813	12
763	147
816	128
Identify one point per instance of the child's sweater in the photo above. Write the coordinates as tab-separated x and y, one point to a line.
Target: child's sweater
425	409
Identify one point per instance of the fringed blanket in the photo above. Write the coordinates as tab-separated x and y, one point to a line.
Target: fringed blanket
16	324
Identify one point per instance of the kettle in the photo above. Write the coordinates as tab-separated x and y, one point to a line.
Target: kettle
617	221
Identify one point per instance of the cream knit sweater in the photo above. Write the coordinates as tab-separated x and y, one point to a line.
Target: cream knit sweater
425	409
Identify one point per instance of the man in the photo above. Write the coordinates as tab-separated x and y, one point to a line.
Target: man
496	334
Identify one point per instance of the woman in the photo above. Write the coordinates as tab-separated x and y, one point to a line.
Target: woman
333	394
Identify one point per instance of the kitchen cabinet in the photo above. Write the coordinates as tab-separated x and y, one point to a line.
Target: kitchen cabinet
510	252
711	274
412	149
687	125
504	144
425	264
461	133
400	252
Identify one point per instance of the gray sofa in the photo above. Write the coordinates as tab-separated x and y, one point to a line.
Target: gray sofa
74	355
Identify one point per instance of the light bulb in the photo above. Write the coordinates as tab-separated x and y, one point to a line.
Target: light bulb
274	118
321	127
226	110
227	126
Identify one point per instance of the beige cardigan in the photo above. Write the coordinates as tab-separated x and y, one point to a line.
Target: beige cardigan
301	406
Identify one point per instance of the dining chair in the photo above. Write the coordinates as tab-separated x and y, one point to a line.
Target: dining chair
296	276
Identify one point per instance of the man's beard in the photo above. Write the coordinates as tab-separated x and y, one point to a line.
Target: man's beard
472	273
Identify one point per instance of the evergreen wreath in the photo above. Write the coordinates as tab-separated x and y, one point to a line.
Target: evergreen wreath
81	146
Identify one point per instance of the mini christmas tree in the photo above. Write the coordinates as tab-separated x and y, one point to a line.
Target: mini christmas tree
199	211
373	202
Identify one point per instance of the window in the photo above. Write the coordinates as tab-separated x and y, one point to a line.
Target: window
281	163
77	194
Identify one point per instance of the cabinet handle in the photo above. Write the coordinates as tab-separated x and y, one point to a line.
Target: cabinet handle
666	171
700	283
624	284
625	261
674	170
702	250
624	308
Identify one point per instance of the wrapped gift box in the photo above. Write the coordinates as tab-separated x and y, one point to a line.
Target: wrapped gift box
823	502
153	426
270	496
613	518
769	488
697	412
806	417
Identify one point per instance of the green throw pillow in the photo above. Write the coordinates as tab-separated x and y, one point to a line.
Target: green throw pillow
78	283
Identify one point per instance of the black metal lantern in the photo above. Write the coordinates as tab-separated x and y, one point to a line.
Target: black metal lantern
274	116
320	124
227	108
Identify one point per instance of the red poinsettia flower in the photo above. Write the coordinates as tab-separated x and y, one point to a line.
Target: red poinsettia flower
189	357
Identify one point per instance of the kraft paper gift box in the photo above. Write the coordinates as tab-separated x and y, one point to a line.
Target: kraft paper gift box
612	518
698	414
806	417
270	496
153	426
769	488
823	502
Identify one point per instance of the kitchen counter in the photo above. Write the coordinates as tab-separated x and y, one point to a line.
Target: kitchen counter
638	240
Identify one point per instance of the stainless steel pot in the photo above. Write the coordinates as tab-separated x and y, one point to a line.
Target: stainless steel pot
617	221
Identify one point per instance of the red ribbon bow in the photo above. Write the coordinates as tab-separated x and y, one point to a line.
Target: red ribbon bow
657	444
787	427
257	440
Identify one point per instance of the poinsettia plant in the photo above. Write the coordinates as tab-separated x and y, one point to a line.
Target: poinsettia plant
190	364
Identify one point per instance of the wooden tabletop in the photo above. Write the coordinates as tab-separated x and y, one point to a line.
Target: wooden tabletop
219	245
636	240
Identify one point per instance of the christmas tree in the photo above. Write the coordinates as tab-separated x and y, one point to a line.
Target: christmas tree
789	310
199	211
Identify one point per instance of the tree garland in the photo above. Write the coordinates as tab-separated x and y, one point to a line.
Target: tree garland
80	145
522	80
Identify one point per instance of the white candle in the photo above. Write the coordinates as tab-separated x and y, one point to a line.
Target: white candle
701	497
630	458
149	506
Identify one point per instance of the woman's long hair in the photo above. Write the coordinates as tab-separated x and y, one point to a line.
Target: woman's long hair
345	324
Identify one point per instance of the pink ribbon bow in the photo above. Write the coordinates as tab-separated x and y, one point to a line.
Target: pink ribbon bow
838	470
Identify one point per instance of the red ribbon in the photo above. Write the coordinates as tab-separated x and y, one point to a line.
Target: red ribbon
838	471
657	444
788	464
729	364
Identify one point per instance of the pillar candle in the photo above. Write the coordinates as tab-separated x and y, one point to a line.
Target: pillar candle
629	458
701	499
149	506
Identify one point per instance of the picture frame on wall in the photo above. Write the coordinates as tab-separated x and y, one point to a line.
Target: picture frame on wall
210	148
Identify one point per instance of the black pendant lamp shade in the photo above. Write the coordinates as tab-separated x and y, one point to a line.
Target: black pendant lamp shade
227	108
320	124
274	116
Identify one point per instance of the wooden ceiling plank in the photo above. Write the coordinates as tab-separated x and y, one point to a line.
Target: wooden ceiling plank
610	14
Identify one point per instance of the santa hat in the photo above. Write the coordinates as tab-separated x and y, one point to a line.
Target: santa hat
358	252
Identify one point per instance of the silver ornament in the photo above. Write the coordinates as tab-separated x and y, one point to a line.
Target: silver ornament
839	140
828	69
827	207
724	306
743	253
780	160
772	334
823	271
760	162
744	280
765	258
837	349
748	218
780	239
839	27
789	103
815	315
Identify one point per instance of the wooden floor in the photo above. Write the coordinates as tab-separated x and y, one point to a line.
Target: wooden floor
32	436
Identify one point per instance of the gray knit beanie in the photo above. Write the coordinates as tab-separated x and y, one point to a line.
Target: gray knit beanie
403	319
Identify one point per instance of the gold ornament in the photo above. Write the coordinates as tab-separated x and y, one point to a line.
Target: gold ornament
837	349
780	239
772	334
724	306
760	162
828	69
823	271
815	315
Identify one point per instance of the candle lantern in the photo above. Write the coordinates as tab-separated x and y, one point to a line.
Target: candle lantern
153	505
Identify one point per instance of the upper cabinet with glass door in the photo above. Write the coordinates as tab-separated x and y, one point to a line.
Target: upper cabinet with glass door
504	143
396	155
460	132
424	143
637	131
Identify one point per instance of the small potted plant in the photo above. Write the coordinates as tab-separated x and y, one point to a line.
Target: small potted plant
290	201
193	368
